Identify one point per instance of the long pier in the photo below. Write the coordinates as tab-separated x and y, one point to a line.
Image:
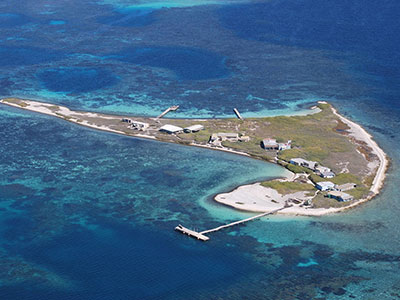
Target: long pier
202	235
172	108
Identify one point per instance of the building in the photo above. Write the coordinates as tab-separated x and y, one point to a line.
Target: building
269	144
126	120
324	172
304	163
285	146
325	185
193	128
272	144
244	138
139	125
221	136
340	196
345	187
171	129
328	174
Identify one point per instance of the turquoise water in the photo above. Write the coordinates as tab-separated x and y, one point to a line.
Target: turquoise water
86	214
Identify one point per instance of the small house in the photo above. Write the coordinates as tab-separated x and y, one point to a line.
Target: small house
285	146
193	128
231	137
272	144
340	196
126	120
269	144
244	138
325	185
170	129
328	174
345	187
139	125
304	163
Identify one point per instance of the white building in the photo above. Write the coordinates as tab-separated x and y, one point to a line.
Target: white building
139	125
340	196
345	187
304	163
325	185
193	128
171	129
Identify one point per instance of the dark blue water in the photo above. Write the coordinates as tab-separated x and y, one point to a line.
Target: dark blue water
129	18
76	80
186	63
89	215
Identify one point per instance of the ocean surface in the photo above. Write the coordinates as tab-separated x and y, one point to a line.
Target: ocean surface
90	215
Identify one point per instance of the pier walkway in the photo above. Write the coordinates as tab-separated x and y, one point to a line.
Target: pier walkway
202	235
238	114
172	108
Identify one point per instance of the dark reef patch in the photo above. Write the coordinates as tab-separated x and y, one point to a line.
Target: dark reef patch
20	56
11	20
361	227
76	79
186	63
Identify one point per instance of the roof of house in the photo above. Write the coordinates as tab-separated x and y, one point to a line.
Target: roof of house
325	184
229	134
269	141
338	194
299	160
346	186
170	128
195	127
327	174
323	169
140	123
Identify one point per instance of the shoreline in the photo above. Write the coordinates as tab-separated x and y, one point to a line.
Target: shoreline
251	190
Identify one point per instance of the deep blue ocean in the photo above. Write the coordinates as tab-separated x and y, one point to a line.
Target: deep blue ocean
90	215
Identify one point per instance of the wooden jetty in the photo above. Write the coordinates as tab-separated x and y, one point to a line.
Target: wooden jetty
238	114
201	235
191	233
172	108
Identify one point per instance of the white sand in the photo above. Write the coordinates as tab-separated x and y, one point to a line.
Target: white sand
361	134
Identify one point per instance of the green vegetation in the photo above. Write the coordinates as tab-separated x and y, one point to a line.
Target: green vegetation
298	169
359	192
16	101
288	187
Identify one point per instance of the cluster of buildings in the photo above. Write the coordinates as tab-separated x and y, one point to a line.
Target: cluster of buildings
217	138
136	124
322	171
172	129
271	144
336	191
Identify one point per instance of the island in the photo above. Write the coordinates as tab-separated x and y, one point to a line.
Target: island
334	164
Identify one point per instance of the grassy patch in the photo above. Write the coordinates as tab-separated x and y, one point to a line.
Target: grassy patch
359	192
298	169
16	101
289	187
